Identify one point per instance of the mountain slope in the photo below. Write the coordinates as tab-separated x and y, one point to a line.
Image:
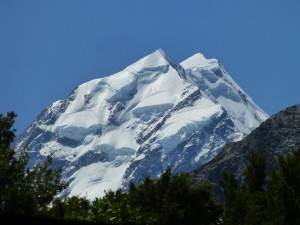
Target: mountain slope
137	122
278	135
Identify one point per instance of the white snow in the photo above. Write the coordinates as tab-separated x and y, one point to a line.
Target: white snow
184	122
223	90
156	103
119	138
155	59
93	180
84	119
198	60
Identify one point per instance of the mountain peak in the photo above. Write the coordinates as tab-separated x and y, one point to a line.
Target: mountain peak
198	60
156	59
161	51
139	121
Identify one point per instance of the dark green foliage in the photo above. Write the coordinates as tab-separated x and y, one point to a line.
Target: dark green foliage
7	133
57	211
24	191
170	199
259	201
255	173
246	203
77	209
114	208
254	189
235	208
284	191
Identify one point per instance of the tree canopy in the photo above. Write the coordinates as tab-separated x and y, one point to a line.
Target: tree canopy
24	191
261	200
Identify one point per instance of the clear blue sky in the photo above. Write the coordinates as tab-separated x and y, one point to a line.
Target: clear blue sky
48	47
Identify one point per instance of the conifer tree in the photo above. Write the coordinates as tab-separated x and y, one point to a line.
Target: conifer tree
234	196
275	201
24	191
246	203
284	191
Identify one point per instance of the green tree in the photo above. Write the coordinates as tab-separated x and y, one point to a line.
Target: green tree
275	201
172	199
235	208
255	188
77	209
24	191
284	191
114	208
246	203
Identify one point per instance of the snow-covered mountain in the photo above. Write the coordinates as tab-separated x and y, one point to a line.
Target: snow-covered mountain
152	115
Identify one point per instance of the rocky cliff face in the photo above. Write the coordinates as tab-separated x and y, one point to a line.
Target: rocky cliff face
152	115
278	135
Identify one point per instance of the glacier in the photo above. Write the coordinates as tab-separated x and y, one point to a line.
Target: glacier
152	115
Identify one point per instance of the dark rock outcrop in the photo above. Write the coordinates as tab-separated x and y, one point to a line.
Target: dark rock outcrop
278	135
